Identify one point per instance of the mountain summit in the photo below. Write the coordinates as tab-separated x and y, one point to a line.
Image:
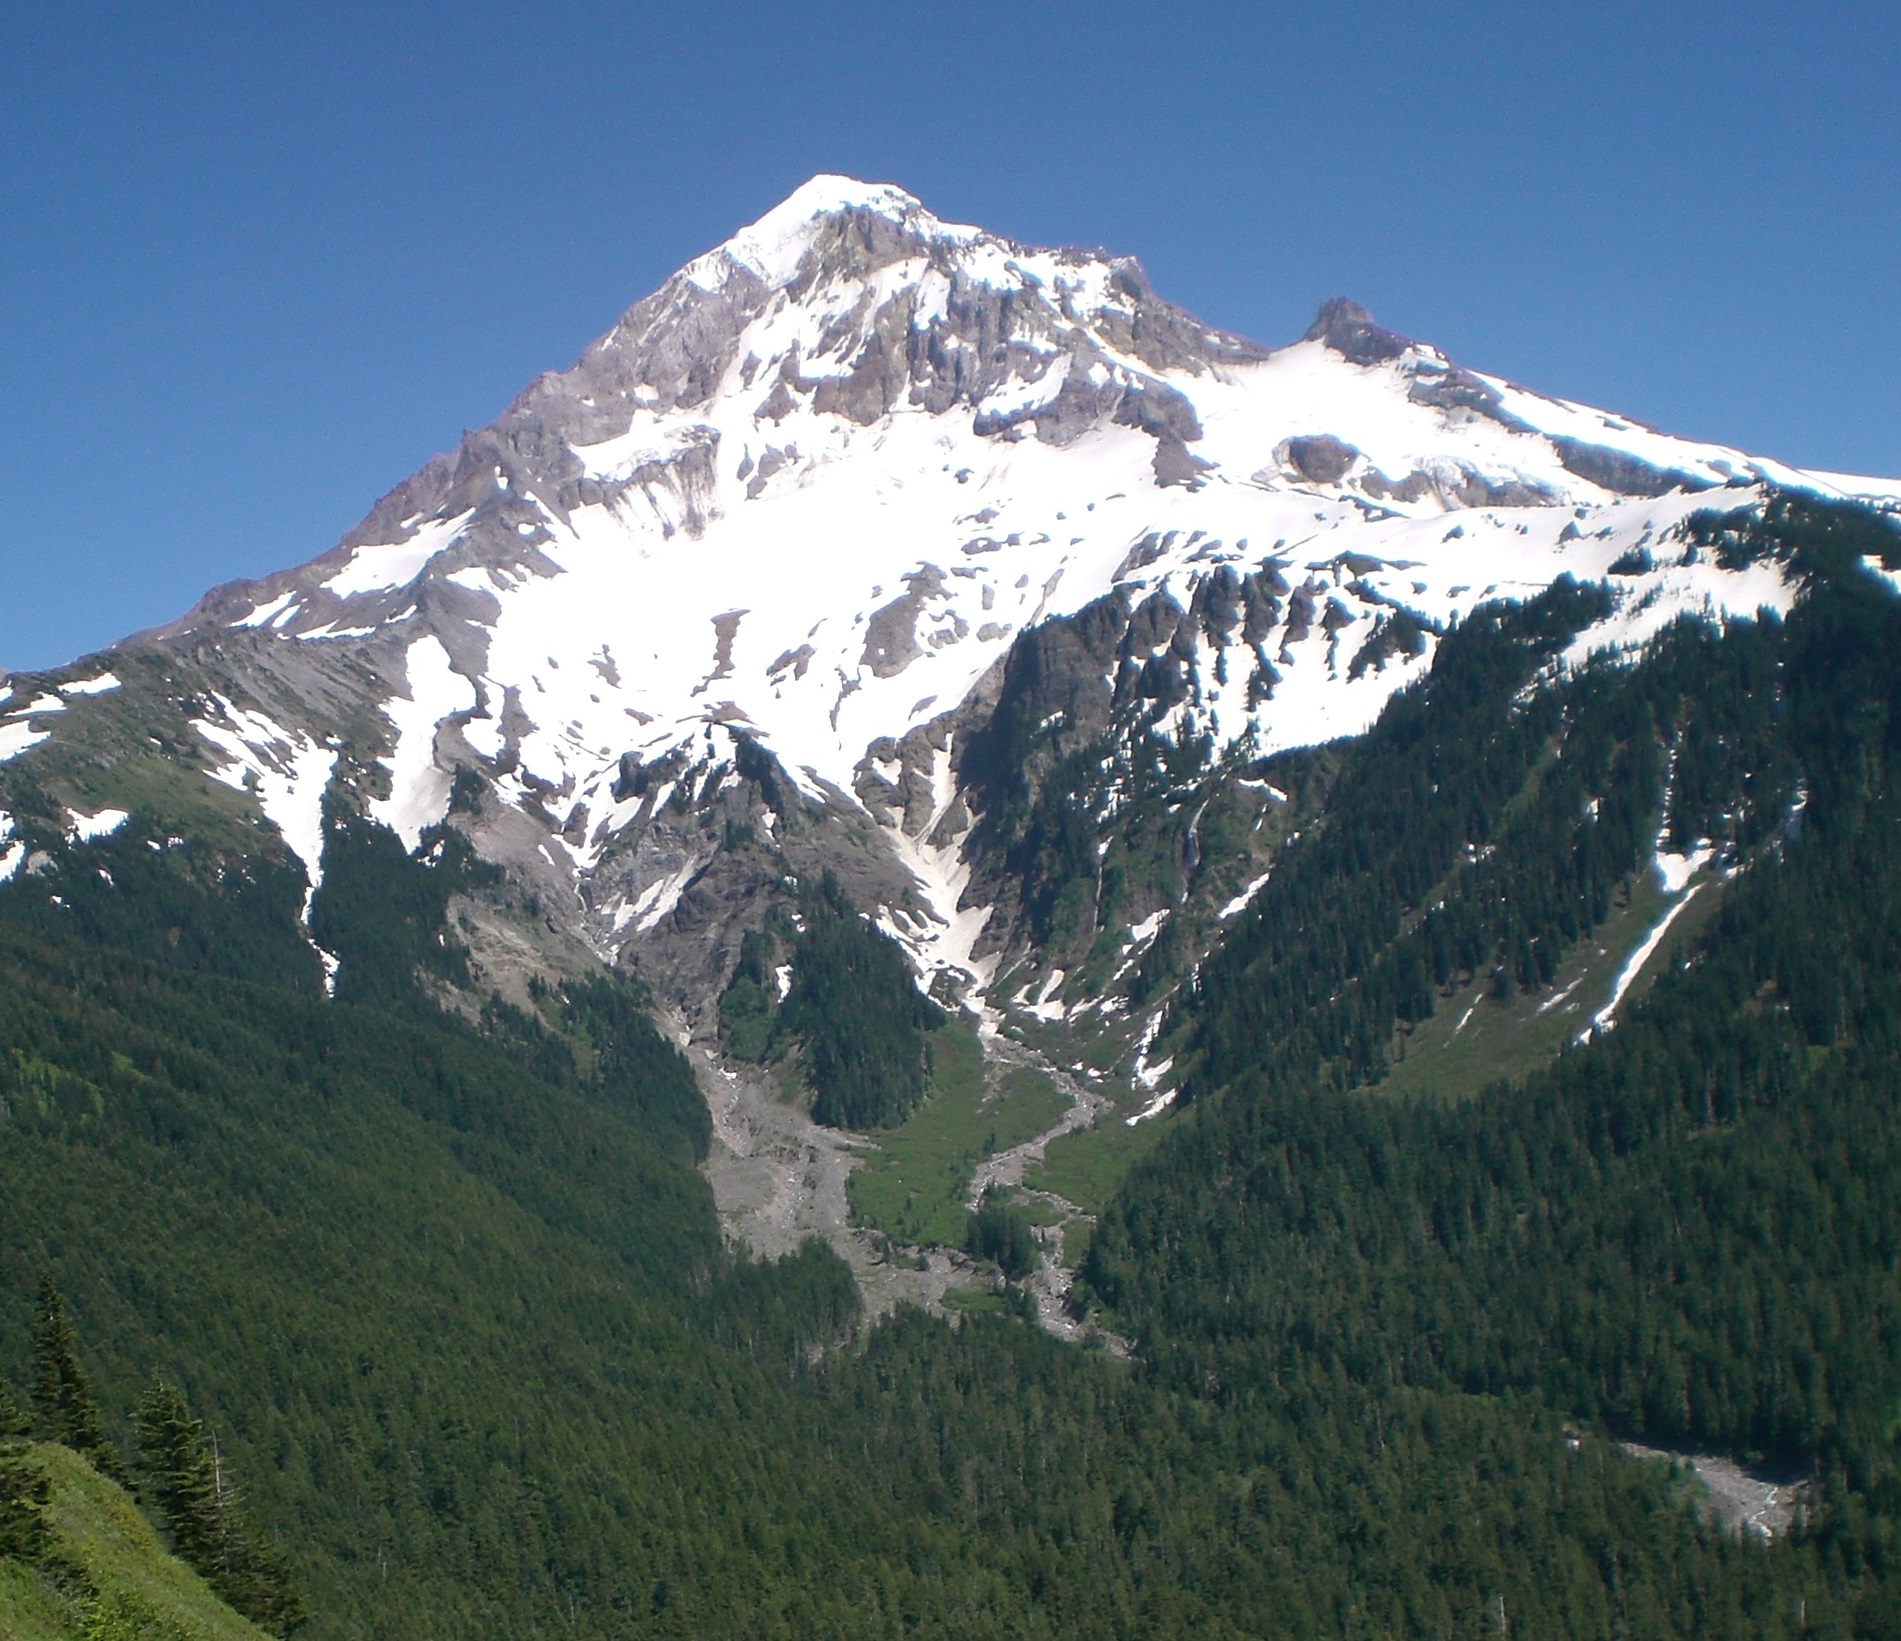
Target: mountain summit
806	506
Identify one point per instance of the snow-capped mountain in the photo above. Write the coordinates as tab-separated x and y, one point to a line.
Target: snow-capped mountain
778	533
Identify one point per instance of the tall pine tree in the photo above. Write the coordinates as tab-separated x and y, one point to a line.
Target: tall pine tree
195	1493
176	1460
68	1411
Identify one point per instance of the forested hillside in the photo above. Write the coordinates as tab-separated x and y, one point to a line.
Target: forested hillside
1686	1230
451	1293
850	1019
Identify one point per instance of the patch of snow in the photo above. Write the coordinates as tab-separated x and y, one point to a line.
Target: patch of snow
782	980
19	737
1162	1101
263	614
661	897
1675	871
284	770
1041	1006
1556	998
10	859
419	786
1274	793
1239	904
38	706
945	943
1140	934
337	632
1606	1017
773	246
378	567
90	686
84	828
1149	1077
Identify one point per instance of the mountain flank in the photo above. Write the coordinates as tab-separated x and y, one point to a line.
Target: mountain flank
930	950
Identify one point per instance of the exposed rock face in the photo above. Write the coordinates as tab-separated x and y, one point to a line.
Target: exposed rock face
891	642
1622	473
1349	330
1319	458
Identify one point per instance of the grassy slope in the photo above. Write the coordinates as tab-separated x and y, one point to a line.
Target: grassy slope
1086	1167
913	1187
1465	1048
96	1523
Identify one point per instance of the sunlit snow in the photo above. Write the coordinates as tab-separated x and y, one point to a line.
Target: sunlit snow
419	786
377	567
266	613
284	770
16	738
91	686
84	828
829	582
1606	1017
1239	904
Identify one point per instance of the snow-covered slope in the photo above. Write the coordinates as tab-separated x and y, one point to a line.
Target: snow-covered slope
807	495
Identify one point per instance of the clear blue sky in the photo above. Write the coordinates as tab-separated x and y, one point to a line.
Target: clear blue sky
258	262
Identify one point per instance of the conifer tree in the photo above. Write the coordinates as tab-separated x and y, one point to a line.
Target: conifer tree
23	1489
67	1410
14	1425
174	1456
201	1505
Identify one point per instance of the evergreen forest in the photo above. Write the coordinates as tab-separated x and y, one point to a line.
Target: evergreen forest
408	1321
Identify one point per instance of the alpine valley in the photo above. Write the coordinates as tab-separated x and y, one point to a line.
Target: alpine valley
929	951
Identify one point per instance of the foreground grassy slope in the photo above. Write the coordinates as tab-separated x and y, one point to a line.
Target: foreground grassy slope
129	1586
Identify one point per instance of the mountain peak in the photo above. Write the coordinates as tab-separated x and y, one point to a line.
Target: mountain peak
774	247
829	194
816	487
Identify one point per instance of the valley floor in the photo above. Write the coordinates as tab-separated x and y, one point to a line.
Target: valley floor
780	1178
